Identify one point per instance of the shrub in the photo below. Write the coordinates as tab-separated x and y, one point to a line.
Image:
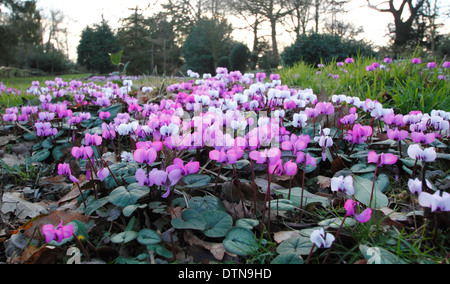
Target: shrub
239	57
323	48
224	61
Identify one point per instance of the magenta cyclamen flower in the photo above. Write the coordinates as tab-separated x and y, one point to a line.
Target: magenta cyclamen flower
104	115
325	108
350	208
358	134
145	156
45	129
82	152
190	167
416	61
296	143
229	157
157	177
397	135
382	159
92	139
102	174
305	158
420	137
446	64
270	156
59	234
64	170
289	168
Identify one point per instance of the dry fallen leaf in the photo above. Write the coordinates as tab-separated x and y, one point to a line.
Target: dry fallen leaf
216	249
284	235
324	182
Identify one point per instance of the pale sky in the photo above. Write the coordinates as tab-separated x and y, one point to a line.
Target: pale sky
81	13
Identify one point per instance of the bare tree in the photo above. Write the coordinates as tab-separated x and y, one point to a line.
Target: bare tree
298	20
403	27
254	19
272	11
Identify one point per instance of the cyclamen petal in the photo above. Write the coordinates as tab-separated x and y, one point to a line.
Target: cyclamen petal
372	157
364	216
102	174
290	168
158	177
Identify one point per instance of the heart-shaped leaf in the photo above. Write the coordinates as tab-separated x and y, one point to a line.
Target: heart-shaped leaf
148	237
377	255
296	193
124	196
247	223
363	190
298	245
282	205
288	258
196	181
240	241
190	219
40	155
217	223
124	237
206	203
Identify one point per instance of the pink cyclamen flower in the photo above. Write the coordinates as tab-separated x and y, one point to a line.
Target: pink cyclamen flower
446	64
289	168
305	158
59	234
426	155
343	184
190	168
397	135
382	159
82	152
436	201
102	174
420	137
416	61
64	170
145	156
92	139
350	208
270	156
325	108
104	115
228	157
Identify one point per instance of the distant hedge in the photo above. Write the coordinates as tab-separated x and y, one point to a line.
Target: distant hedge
324	48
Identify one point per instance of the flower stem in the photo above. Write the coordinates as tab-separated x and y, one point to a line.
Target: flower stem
238	184
373	186
310	253
80	244
337	235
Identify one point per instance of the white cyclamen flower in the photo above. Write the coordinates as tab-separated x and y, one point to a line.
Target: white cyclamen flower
321	240
415	185
344	184
427	155
435	201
